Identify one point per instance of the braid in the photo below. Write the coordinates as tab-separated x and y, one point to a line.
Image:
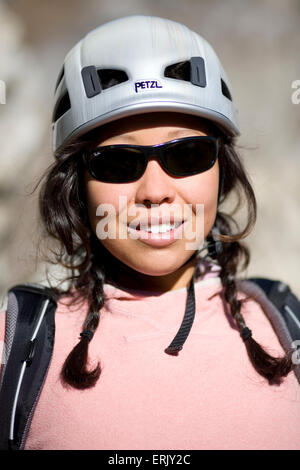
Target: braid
74	371
269	367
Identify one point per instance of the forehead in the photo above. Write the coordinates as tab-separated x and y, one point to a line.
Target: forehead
165	122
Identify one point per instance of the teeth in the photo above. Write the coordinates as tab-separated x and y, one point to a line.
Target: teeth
163	228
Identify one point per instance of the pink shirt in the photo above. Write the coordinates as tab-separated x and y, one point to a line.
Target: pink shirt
207	397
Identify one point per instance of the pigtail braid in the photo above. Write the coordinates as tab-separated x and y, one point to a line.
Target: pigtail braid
272	368
74	371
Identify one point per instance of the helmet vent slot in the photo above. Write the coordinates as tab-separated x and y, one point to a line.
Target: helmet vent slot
111	77
192	71
225	90
63	104
60	77
179	71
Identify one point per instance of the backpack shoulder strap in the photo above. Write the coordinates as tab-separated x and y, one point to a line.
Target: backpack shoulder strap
29	340
283	310
285	301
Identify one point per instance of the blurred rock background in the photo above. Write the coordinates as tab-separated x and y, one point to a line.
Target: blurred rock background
258	43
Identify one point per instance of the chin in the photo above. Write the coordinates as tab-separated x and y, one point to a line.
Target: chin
155	273
156	268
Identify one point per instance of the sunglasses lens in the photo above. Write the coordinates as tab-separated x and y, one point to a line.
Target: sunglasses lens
116	165
190	157
122	164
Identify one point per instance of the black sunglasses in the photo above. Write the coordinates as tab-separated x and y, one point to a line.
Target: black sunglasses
126	163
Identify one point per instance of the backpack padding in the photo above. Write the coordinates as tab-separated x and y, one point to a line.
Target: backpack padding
30	301
285	301
10	326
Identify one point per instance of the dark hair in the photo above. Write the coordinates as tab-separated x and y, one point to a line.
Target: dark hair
62	204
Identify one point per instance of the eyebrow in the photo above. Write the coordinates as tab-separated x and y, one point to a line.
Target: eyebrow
179	131
170	134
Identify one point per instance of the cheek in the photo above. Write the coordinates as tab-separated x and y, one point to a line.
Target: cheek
108	195
203	189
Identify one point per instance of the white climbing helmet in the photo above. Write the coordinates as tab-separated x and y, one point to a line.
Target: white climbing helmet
139	64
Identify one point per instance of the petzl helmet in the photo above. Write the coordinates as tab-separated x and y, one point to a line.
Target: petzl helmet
139	64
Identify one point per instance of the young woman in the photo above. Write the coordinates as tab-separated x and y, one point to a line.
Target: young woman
159	343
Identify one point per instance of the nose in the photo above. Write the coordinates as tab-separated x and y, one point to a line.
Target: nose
155	186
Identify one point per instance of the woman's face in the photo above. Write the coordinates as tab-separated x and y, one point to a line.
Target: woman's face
156	197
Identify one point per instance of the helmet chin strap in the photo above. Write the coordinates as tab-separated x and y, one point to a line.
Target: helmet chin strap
187	322
177	344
